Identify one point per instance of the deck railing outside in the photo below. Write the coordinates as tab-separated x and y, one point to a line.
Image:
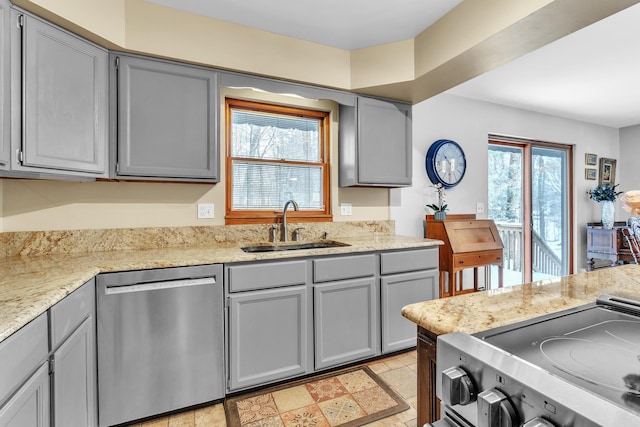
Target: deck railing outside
544	259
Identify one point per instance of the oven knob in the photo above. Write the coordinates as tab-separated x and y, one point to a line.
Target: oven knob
496	410
457	387
538	422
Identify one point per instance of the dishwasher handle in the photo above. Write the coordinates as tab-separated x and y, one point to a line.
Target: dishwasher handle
153	286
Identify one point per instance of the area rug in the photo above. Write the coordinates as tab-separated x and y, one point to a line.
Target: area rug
346	398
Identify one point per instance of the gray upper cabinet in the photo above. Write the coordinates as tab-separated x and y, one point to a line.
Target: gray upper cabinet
5	85
375	144
167	115
59	101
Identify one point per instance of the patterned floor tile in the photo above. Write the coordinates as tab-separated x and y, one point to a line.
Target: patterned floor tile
356	381
309	416
341	410
326	389
292	398
256	408
373	400
266	422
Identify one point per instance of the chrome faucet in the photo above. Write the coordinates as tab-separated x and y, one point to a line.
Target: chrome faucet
285	230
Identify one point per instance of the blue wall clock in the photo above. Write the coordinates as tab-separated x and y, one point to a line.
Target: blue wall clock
445	163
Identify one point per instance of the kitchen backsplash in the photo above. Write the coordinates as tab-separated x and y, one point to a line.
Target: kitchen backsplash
35	243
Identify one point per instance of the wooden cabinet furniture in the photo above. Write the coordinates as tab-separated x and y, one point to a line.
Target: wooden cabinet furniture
607	244
468	243
375	144
59	101
5	84
167	127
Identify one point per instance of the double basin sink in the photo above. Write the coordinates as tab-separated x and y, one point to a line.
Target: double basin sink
322	244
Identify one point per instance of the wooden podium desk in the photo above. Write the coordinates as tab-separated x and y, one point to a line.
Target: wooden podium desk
468	243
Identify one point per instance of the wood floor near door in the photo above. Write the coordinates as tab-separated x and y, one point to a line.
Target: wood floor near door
399	372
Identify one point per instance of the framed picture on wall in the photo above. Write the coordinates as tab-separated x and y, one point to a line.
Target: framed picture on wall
590	174
590	159
607	171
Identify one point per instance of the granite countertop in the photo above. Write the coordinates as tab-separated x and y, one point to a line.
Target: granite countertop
484	310
29	285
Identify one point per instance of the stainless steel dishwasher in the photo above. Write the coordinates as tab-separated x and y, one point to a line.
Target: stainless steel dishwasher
160	341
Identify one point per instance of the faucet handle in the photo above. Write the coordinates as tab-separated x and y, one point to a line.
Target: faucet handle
297	233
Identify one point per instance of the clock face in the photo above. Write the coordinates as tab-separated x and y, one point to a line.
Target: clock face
445	163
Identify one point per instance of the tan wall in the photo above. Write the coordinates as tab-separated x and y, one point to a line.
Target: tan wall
28	205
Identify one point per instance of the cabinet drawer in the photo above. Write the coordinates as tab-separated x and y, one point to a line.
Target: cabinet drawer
69	313
267	275
477	259
347	267
414	260
21	354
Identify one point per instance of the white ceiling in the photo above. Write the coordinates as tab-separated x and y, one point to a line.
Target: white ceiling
591	75
349	25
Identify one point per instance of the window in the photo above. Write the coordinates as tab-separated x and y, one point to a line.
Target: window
274	154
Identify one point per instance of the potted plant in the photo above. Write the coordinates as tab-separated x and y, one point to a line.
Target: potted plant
439	209
606	195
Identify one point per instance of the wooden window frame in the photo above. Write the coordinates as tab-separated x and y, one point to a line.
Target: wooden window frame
269	216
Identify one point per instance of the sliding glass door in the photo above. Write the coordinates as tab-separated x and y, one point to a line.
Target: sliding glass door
529	200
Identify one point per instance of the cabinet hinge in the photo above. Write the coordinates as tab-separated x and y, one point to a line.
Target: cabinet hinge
51	365
117	62
20	21
117	167
20	155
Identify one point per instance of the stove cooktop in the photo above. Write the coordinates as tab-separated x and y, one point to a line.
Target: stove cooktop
595	347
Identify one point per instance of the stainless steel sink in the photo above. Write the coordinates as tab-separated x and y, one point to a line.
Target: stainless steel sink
294	246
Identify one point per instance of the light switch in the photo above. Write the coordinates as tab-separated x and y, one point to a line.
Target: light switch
205	210
345	209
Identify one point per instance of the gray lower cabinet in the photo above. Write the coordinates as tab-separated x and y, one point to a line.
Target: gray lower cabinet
407	277
346	321
59	101
24	370
269	321
5	85
167	115
375	144
73	359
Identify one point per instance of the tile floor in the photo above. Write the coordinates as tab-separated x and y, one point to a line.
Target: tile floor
399	372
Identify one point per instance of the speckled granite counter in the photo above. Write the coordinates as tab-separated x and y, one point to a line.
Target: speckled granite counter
30	285
480	311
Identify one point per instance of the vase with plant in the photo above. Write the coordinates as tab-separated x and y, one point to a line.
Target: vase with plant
606	195
439	209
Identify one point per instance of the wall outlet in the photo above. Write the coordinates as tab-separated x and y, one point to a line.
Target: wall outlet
480	207
205	210
345	209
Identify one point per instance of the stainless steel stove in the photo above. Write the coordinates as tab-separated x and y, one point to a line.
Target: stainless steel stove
579	367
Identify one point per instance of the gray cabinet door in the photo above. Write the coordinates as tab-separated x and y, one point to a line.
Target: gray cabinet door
384	142
65	103
268	336
167	120
397	291
74	379
29	407
5	84
346	321
375	144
